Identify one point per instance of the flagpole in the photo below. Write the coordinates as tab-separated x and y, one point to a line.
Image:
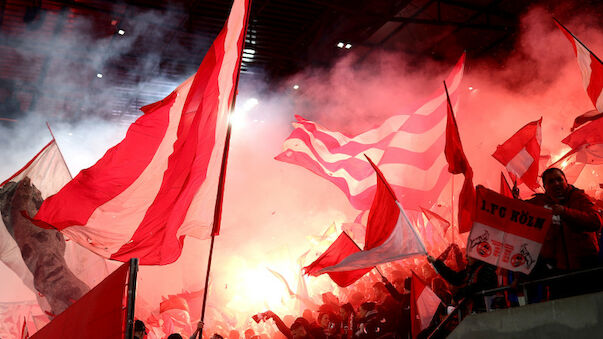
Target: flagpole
580	42
220	194
452	207
452	183
60	153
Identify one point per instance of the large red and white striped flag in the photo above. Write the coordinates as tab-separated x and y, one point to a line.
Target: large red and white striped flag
407	148
590	66
158	184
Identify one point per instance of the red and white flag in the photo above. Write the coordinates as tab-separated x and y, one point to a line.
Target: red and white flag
590	66
586	117
424	304
408	148
159	184
440	225
389	234
46	171
587	143
507	232
339	250
521	154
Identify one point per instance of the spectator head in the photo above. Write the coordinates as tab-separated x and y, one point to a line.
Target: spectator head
365	308
300	329
217	336
346	310
554	182
356	299
323	319
379	291
174	336
140	330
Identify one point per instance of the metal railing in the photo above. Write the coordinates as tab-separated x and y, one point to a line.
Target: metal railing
523	287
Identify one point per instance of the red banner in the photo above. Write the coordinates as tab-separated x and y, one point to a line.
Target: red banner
507	232
99	314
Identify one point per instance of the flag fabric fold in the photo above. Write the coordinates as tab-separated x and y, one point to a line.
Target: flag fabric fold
389	233
408	148
424	304
590	66
342	247
586	117
457	164
160	182
520	154
587	143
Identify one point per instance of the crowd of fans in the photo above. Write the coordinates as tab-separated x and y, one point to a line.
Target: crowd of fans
374	307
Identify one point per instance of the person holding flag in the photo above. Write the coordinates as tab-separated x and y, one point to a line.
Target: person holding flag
477	276
571	243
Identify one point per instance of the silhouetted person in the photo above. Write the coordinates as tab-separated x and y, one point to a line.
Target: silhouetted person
571	243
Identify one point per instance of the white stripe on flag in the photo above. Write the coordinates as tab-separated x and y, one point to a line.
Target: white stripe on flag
520	163
583	63
402	243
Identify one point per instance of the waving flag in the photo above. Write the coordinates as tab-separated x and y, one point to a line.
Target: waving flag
424	304
586	117
339	250
457	164
159	184
590	66
389	234
587	143
48	173
408	148
436	220
521	153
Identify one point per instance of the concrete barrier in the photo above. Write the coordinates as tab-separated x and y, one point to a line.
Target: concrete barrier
573	318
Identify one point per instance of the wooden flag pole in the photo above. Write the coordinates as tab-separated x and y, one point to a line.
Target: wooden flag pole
220	194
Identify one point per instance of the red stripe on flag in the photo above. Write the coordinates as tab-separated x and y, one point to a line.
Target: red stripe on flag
383	215
112	174
187	166
339	249
595	85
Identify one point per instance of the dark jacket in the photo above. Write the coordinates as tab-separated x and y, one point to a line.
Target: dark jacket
475	278
573	244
